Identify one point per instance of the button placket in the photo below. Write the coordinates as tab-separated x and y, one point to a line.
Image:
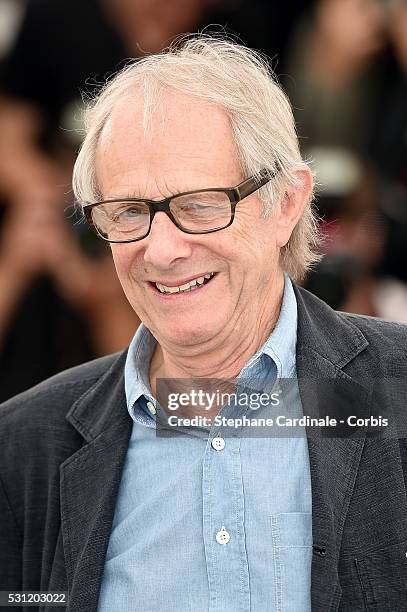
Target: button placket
223	528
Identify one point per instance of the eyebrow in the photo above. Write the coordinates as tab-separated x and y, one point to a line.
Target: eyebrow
132	195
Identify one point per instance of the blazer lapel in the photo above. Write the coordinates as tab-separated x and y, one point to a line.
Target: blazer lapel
325	344
89	485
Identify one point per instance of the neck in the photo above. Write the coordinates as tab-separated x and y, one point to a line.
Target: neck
223	359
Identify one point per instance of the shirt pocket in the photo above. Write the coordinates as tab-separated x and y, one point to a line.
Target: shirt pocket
383	578
292	554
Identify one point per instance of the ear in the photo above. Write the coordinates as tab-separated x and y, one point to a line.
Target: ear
292	206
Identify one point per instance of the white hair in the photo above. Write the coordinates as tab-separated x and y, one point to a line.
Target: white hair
240	81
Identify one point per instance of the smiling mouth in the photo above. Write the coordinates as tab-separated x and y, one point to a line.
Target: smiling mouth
192	285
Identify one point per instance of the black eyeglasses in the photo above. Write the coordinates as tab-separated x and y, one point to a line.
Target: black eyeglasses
193	212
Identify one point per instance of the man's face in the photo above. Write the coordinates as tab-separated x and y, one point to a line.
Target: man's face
191	147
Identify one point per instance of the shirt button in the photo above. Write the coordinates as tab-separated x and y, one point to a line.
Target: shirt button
218	443
222	537
151	407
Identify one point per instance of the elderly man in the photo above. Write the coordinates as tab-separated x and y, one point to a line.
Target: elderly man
191	170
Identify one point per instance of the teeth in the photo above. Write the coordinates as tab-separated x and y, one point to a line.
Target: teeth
194	284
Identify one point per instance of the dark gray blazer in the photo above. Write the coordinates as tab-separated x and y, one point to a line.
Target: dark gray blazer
63	443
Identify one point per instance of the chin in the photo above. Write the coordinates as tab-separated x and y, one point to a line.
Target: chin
190	337
191	334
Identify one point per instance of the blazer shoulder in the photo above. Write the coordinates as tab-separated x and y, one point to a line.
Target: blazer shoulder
49	401
385	357
379	332
367	346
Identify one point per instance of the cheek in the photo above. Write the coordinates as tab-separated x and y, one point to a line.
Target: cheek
250	254
257	244
118	259
123	258
122	254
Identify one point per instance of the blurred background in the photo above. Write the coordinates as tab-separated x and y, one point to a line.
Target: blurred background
343	64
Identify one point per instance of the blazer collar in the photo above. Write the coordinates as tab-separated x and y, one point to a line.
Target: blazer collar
326	342
324	333
101	406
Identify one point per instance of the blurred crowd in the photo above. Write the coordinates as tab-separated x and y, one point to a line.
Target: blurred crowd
343	64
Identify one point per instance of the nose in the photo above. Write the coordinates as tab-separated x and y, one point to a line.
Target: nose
166	244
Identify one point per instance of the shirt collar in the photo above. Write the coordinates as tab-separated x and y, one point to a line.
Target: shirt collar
280	346
136	369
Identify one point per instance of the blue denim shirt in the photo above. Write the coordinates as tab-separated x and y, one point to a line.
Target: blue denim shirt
198	529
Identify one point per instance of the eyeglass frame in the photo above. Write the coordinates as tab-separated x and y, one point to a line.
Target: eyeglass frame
235	195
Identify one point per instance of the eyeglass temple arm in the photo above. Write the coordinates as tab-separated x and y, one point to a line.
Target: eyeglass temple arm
250	185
